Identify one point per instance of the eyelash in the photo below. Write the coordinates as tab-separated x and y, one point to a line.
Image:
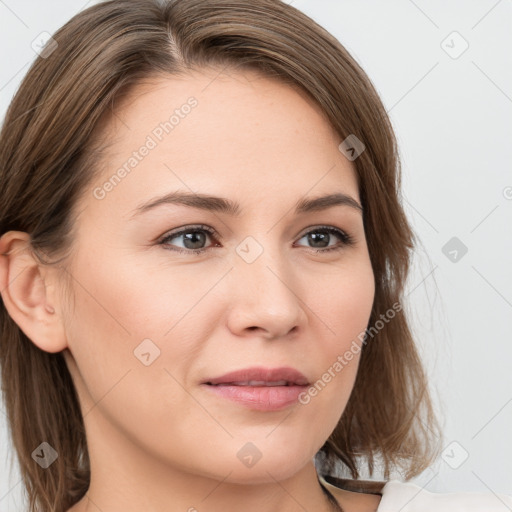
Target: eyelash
346	239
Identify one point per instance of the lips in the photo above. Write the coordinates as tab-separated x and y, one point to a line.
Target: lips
258	388
261	376
256	383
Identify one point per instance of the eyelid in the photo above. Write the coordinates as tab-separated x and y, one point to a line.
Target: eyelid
330	229
186	229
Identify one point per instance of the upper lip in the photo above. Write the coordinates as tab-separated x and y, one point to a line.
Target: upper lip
260	373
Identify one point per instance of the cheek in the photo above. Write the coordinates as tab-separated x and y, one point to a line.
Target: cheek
121	353
344	308
131	313
129	301
346	302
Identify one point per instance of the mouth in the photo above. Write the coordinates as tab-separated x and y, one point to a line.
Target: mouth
255	383
261	376
261	389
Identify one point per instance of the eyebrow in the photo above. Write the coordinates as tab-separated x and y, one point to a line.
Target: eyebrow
232	208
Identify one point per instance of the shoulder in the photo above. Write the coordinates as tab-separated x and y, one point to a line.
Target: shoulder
410	497
396	496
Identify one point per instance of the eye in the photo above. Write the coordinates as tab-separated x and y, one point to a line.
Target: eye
321	236
194	237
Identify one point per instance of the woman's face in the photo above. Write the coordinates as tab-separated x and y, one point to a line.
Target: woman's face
151	325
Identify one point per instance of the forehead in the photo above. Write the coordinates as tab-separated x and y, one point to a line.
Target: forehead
225	100
207	130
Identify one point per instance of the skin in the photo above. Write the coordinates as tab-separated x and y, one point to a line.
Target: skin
158	440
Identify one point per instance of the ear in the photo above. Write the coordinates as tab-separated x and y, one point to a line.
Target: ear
28	292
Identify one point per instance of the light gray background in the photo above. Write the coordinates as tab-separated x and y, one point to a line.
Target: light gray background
453	119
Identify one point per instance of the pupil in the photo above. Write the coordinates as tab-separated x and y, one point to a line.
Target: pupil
322	238
194	237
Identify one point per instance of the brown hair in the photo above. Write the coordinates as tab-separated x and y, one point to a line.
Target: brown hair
50	151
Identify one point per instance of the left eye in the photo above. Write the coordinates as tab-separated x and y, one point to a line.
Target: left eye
322	234
194	238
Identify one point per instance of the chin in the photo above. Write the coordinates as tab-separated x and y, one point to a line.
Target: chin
253	466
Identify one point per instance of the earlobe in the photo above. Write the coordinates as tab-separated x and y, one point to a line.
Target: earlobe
25	293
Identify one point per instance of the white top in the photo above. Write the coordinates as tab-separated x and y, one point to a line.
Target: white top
408	497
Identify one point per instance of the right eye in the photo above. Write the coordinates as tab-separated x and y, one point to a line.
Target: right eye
195	235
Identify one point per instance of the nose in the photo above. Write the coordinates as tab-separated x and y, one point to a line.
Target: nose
265	298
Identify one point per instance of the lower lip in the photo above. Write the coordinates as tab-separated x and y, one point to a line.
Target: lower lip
260	398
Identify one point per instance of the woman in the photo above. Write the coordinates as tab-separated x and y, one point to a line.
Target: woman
203	258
